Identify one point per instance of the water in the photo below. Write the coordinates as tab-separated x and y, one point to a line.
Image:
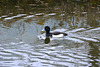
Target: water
22	44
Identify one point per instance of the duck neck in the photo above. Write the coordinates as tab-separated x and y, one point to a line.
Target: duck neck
47	32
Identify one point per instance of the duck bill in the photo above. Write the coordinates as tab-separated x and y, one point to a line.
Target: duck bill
42	31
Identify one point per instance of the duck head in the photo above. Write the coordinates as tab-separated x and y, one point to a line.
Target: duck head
47	29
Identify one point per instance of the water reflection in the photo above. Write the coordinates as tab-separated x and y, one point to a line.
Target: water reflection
47	40
94	52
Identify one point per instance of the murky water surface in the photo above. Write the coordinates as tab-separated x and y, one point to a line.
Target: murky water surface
22	44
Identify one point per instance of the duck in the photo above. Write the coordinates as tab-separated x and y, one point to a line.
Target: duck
53	34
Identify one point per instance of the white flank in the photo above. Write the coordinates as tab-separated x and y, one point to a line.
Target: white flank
60	35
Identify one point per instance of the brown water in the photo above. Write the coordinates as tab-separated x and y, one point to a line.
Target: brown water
23	45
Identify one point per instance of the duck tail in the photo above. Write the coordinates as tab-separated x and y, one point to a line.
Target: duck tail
65	34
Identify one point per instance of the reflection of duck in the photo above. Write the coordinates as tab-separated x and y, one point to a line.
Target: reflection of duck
47	40
54	34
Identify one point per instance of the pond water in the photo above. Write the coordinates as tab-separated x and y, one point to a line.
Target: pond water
23	44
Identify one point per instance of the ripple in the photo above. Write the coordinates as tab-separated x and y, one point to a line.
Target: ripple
88	39
30	16
45	55
75	40
76	30
52	14
4	16
62	52
39	14
19	15
93	29
3	53
62	14
30	52
14	52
